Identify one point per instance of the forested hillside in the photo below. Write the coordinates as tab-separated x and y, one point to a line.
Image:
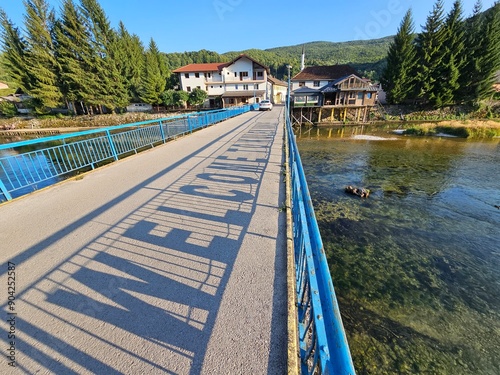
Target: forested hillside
367	56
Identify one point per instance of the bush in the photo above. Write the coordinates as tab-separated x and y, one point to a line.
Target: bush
8	109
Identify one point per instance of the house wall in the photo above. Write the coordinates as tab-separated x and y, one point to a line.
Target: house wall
296	84
278	94
229	79
188	84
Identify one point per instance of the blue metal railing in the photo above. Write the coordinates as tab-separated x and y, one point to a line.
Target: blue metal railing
28	165
323	343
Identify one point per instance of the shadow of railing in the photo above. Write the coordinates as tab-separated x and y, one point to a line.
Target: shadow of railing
143	295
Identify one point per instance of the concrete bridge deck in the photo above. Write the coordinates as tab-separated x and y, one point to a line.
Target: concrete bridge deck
171	261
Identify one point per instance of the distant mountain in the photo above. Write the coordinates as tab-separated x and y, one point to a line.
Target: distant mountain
366	56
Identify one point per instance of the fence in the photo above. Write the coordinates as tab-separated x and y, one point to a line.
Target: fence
28	165
322	340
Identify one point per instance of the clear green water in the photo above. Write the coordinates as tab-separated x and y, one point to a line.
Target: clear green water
416	266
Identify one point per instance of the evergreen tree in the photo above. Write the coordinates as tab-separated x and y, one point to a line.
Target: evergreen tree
14	57
430	56
398	78
41	63
73	52
111	89
153	81
482	33
471	75
489	63
131	54
453	57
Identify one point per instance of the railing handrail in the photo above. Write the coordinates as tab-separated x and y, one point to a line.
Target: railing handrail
75	152
102	130
332	354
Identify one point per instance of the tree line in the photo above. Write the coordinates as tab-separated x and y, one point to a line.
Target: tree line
78	61
451	61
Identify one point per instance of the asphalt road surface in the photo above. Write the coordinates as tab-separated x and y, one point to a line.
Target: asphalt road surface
172	261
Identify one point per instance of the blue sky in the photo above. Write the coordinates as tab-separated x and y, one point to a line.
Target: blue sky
235	25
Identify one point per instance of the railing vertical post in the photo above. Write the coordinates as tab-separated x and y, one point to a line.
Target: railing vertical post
112	145
189	124
161	131
5	192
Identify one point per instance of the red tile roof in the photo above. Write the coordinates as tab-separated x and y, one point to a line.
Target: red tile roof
214	67
208	67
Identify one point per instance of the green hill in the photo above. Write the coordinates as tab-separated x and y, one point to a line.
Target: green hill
366	56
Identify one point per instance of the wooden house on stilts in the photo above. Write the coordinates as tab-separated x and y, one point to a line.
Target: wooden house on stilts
331	94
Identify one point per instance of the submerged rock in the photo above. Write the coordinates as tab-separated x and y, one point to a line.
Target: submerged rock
360	192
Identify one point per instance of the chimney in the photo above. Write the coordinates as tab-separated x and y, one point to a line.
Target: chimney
302	60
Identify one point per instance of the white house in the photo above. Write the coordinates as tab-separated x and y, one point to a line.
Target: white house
241	81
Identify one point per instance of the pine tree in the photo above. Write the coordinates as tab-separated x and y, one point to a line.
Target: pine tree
398	78
430	56
131	54
14	48
489	63
41	63
73	52
453	57
111	89
153	81
471	75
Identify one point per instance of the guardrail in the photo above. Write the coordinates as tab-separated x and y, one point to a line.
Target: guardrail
322	340
28	165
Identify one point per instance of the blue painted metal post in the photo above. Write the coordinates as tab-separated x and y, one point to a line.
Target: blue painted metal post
5	192
112	145
161	131
189	124
288	93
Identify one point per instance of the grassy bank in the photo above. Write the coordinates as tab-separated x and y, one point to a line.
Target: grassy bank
463	129
60	121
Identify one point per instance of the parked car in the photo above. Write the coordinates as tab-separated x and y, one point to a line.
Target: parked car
265	105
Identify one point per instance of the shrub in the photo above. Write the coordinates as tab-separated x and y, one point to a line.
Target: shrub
8	109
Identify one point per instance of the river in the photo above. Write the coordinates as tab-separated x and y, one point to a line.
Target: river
416	265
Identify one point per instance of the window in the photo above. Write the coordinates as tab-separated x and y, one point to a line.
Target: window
220	86
198	87
186	75
208	75
236	87
197	75
243	74
316	84
352	95
369	95
260	74
360	95
245	87
211	87
256	86
188	89
302	84
236	74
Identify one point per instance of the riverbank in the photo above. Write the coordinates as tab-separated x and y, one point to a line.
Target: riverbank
93	121
458	128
